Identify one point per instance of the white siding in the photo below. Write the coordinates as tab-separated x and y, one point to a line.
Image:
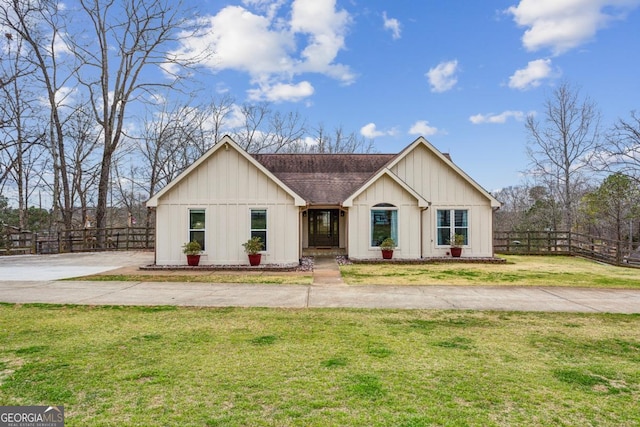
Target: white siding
227	186
441	185
385	190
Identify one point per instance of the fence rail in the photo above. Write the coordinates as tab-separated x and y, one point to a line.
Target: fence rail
610	251
504	242
79	240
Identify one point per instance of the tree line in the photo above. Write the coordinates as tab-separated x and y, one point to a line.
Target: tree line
97	112
581	176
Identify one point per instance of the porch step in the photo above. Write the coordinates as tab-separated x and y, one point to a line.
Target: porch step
323	251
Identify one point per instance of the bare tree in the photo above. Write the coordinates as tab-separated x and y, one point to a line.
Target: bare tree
515	203
84	140
39	24
285	131
334	142
21	133
562	147
171	139
218	112
622	151
131	37
264	130
250	135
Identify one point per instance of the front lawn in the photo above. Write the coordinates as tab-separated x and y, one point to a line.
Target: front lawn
519	270
147	366
281	278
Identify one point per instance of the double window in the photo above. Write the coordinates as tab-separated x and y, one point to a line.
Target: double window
197	226
259	225
384	223
450	222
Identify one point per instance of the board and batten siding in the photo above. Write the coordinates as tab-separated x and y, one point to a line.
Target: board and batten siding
227	186
384	190
445	188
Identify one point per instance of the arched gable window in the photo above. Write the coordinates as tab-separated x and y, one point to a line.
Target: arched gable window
384	223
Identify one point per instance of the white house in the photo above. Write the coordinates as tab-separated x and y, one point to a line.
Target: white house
298	203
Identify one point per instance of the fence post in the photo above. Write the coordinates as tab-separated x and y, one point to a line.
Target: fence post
619	252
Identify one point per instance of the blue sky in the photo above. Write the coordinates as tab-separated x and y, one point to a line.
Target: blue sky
464	74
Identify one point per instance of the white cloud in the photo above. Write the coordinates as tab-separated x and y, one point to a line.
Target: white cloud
65	96
532	75
421	127
561	25
310	141
274	41
442	77
497	118
279	92
242	41
371	131
392	25
326	28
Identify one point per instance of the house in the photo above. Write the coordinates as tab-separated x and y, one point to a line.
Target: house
300	202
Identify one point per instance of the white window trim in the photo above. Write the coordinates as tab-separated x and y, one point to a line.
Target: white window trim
206	222
266	230
384	208
453	227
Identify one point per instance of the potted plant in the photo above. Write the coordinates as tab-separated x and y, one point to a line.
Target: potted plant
252	247
192	250
456	245
387	246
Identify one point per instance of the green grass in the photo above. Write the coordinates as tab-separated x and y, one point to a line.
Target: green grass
143	366
269	278
519	270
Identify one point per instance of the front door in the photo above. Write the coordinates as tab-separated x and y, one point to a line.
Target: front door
323	227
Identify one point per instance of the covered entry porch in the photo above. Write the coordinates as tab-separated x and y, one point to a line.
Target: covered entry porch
324	231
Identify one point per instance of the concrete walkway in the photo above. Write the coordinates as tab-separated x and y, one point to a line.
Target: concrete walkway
314	296
326	272
326	291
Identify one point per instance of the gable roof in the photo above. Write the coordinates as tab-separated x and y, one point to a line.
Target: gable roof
324	179
225	142
447	160
337	179
328	179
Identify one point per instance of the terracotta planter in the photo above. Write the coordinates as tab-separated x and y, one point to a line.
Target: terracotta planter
254	259
387	253
193	260
456	252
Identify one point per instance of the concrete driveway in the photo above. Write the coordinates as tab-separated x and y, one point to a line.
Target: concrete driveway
65	266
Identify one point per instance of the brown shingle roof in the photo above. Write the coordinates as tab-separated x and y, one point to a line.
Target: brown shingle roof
324	179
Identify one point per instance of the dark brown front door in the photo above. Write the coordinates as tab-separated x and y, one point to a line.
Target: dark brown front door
323	227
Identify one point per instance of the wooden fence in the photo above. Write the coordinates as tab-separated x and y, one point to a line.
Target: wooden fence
80	240
610	251
504	242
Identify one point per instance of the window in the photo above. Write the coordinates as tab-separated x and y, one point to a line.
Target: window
450	222
384	223
197	226
259	225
